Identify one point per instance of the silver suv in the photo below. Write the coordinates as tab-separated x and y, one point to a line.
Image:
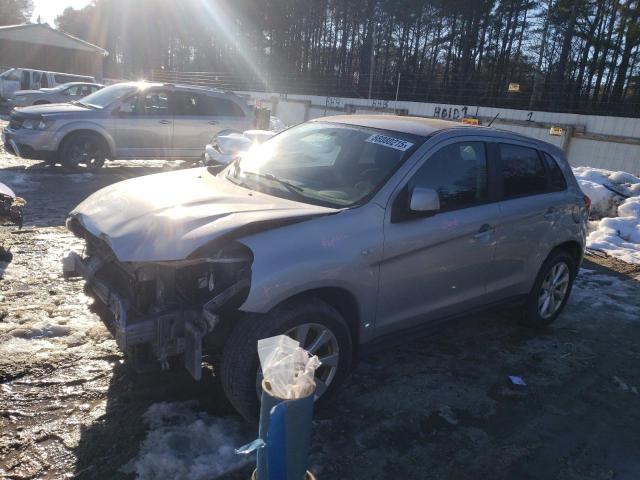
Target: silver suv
337	232
126	120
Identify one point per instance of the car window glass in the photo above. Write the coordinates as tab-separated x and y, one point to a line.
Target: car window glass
186	104
522	171
154	103
458	173
557	182
25	81
13	76
315	150
320	162
72	91
221	107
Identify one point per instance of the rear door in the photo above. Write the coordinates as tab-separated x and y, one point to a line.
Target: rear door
227	113
437	265
143	125
529	209
199	116
193	126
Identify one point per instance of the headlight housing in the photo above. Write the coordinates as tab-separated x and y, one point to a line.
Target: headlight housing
37	124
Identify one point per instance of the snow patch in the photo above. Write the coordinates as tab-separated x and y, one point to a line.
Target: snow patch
186	444
594	290
618	233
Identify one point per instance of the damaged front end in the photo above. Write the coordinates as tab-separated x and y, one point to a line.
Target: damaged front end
11	207
162	310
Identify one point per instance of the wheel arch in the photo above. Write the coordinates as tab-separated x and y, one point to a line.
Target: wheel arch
103	135
573	248
339	298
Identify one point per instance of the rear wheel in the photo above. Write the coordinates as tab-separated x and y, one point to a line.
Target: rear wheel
318	327
551	289
83	148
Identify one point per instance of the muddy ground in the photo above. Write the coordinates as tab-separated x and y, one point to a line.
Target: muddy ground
438	406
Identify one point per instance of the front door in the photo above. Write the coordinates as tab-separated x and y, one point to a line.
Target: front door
144	125
437	265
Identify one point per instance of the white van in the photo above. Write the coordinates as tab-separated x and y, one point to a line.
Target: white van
28	79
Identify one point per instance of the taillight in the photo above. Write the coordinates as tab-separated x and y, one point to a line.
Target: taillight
587	203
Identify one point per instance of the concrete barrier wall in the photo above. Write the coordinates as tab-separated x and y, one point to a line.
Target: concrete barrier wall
597	141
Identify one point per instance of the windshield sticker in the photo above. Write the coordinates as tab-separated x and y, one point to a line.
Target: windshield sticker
390	142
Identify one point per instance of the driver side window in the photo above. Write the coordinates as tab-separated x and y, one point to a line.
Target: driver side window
458	172
148	103
71	91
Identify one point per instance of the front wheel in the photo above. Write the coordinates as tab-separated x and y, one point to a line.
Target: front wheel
83	148
551	289
319	329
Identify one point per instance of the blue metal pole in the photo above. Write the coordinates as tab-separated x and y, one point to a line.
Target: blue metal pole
285	427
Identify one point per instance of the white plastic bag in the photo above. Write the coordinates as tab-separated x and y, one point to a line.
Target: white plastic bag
288	370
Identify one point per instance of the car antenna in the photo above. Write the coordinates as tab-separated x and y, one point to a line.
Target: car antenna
493	119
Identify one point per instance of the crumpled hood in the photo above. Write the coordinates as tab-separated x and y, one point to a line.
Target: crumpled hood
167	216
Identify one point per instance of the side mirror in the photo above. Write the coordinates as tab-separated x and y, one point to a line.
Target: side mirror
424	200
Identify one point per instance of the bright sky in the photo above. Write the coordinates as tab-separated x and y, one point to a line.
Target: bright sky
50	9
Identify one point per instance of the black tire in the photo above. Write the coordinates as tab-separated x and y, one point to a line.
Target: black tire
532	315
240	364
85	148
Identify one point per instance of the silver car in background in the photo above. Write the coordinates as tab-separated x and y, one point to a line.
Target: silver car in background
337	232
126	120
68	92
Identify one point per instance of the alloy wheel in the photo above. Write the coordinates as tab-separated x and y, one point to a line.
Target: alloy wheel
87	152
553	290
318	340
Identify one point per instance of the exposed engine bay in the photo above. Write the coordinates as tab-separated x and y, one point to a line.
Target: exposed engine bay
162	309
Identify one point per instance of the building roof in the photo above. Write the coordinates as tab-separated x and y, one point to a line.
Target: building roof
405	124
43	34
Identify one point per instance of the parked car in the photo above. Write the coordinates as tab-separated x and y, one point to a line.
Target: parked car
228	145
337	232
28	79
126	120
64	93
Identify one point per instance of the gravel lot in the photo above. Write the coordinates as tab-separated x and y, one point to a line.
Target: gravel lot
431	407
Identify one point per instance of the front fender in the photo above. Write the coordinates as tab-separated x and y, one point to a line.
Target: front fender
336	251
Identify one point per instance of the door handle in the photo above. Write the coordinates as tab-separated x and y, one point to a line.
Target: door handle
213	122
164	122
484	231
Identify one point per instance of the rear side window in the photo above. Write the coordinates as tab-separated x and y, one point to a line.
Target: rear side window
221	107
458	173
557	182
522	171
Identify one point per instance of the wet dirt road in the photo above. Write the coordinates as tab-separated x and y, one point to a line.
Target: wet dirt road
438	406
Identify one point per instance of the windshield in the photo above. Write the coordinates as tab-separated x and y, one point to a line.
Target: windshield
324	163
11	74
108	95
